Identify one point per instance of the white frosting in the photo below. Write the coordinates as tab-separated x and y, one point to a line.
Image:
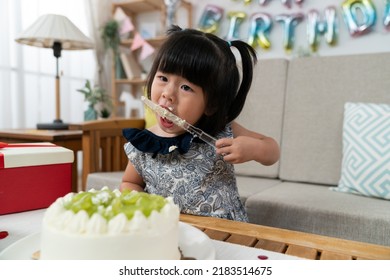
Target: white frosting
69	235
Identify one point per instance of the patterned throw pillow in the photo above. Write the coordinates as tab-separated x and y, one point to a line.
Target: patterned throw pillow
366	150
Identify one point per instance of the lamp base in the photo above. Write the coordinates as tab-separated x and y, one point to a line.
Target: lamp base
55	125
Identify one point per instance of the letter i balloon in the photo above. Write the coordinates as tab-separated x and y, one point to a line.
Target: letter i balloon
235	18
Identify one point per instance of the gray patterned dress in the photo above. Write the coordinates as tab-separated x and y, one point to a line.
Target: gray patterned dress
190	171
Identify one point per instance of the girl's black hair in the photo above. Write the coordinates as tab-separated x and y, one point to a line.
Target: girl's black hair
207	61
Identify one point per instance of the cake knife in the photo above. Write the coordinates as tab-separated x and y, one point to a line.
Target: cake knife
180	122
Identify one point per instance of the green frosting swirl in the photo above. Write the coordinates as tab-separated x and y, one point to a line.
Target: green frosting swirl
108	204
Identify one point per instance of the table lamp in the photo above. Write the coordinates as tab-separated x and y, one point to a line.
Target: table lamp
59	33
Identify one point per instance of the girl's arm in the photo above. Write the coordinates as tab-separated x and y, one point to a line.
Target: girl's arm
248	145
131	180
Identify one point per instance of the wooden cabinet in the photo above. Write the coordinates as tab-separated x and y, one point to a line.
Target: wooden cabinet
134	9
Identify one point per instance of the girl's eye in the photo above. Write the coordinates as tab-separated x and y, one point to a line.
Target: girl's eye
186	88
162	78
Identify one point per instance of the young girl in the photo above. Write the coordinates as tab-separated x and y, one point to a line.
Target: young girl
195	76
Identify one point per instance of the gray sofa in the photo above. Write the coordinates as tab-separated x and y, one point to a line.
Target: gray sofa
300	102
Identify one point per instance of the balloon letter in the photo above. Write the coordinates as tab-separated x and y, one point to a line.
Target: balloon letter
286	3
263	2
354	11
315	27
260	25
246	2
210	19
236	19
386	18
289	22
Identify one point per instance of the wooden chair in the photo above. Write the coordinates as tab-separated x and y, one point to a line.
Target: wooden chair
102	144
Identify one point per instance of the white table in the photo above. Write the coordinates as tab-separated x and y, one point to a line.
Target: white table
19	225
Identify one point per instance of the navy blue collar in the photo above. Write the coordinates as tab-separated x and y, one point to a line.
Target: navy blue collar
148	142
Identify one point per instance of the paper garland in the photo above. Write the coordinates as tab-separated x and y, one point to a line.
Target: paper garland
125	26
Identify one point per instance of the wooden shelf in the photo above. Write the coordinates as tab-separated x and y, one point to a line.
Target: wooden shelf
136	81
155	42
133	8
138	6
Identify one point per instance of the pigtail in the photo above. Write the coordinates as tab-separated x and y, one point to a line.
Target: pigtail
248	60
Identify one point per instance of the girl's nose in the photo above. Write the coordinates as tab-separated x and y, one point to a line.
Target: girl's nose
168	95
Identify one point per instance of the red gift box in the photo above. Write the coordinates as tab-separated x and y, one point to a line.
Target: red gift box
33	175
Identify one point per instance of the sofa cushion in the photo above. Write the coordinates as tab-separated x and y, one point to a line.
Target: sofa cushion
248	186
263	110
311	149
366	150
314	209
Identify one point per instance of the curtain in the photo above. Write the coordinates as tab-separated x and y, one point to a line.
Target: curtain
6	116
99	12
27	74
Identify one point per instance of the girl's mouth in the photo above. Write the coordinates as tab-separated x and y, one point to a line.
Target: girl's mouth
166	123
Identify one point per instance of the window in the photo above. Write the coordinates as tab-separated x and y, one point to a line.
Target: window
27	74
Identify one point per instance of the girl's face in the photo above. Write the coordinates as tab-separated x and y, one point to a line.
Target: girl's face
178	95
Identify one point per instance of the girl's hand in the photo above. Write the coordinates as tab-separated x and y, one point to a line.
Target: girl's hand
237	150
248	145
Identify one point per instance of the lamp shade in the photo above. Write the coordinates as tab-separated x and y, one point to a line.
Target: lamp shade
51	28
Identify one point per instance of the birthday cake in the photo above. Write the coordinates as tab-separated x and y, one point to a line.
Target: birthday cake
106	224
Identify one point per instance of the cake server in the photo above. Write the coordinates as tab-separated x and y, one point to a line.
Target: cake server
180	122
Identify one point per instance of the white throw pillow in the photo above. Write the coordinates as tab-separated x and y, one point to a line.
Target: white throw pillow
366	150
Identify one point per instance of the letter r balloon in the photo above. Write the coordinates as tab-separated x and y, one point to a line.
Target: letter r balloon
260	26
